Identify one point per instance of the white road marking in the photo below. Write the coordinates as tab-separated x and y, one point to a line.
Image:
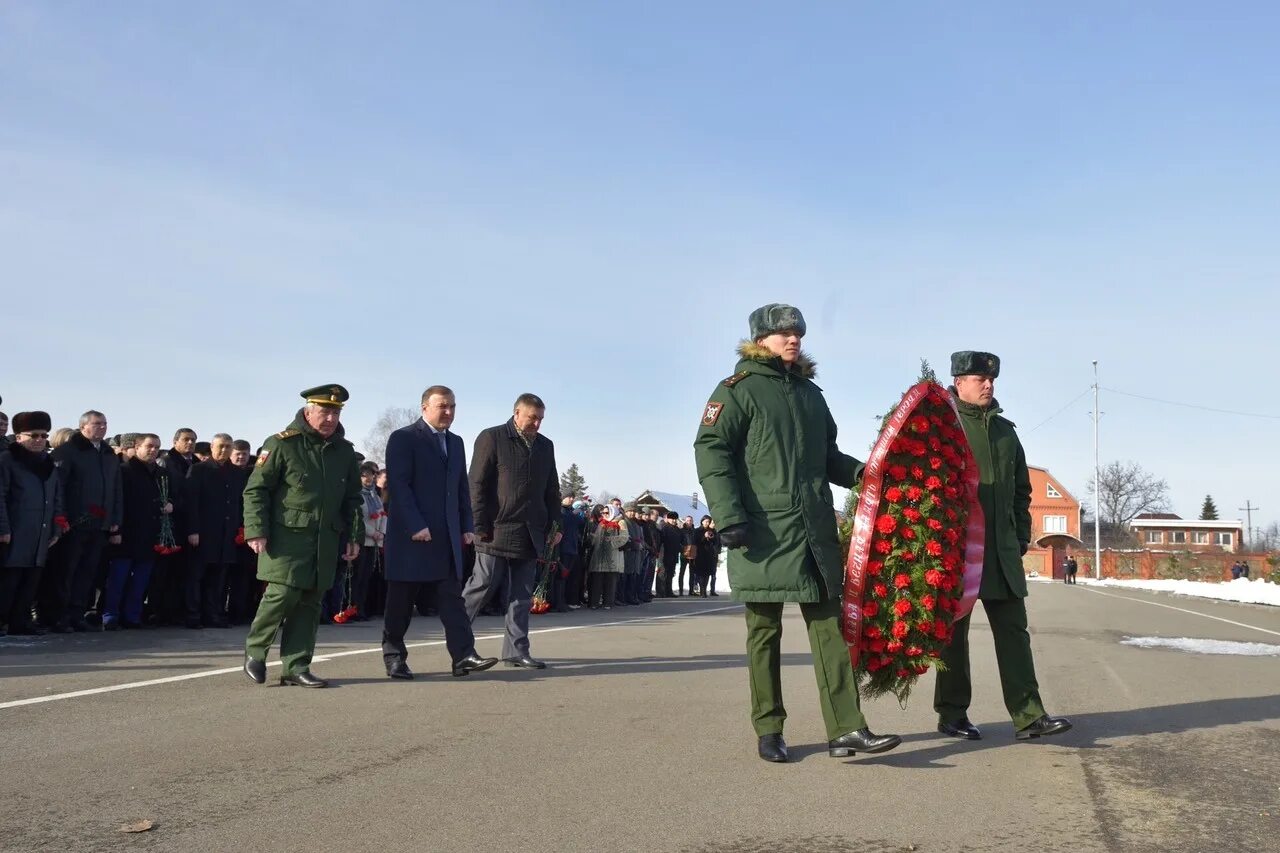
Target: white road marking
1182	610
209	673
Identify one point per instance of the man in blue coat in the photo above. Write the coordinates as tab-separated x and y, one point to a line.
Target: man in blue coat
428	522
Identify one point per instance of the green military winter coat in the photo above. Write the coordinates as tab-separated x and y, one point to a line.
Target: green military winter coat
1004	490
304	497
766	452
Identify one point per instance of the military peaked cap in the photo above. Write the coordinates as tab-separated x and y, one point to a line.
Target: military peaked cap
972	363
327	395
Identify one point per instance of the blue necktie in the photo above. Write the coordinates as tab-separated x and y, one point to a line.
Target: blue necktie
444	445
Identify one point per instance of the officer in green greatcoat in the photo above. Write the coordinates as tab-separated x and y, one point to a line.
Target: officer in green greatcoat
1004	490
766	452
301	501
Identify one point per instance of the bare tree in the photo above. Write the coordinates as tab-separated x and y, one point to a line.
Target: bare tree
1125	490
391	419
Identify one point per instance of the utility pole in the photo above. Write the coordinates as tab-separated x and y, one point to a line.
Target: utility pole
1097	483
1249	509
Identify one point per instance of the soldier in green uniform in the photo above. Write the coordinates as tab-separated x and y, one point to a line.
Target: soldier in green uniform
766	452
1004	491
301	501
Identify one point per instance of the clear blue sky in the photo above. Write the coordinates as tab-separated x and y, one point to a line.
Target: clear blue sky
206	207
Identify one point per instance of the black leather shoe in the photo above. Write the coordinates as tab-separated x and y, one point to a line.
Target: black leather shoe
773	748
861	741
1044	727
472	663
960	728
399	669
525	662
256	670
302	679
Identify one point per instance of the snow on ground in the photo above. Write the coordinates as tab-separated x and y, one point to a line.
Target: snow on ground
1205	647
1245	590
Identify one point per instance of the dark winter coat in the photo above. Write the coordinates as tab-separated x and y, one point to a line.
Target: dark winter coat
427	490
708	542
178	467
515	492
672	542
303	495
90	478
571	525
213	507
30	499
140	530
1004	490
766	452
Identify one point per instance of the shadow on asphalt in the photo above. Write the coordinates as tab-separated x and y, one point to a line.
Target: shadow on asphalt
1089	730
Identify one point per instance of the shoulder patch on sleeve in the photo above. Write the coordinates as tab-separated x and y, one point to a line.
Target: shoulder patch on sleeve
262	458
735	379
711	413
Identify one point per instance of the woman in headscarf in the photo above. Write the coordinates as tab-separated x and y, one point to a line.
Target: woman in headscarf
608	543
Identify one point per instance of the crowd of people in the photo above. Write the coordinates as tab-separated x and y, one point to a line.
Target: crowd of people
109	533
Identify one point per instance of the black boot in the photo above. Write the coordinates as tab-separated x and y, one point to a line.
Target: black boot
1044	727
772	748
863	740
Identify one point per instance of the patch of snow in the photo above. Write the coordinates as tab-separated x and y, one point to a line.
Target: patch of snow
1204	647
1244	590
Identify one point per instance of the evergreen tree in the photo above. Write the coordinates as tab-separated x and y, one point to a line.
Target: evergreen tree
1209	512
572	483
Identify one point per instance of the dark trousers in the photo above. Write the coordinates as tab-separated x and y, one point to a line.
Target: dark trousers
602	586
573	586
127	581
953	688
646	580
17	592
204	589
685	564
488	573
64	596
446	597
668	578
360	581
166	600
242	587
556	591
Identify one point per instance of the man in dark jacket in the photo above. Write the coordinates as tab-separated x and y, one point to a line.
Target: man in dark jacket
573	520
1004	490
93	499
148	500
31	518
427	479
766	453
214	511
672	543
515	497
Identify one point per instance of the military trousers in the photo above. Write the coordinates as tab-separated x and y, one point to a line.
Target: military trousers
953	689
837	686
295	613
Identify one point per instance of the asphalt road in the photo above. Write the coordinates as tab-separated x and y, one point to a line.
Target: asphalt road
637	739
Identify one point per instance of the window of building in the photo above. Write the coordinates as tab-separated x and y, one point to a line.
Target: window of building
1223	538
1155	537
1055	524
1178	537
1052	492
1200	538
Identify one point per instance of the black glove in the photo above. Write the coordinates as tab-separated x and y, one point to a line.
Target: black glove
734	536
1023	546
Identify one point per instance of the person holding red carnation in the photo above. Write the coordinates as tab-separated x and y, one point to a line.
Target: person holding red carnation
1004	490
131	561
766	453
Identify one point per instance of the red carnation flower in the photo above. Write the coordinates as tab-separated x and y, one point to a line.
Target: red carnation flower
952	516
878	644
903	673
908	556
902	607
900	630
886	523
901	581
933	484
914	493
927	601
880	590
919	424
917	472
884	547
893	494
933	524
874	567
935	444
934	549
872	632
951	493
941	631
952	535
914	651
907	533
873	665
935	463
61	522
897	472
870	609
933	577
96	511
911	514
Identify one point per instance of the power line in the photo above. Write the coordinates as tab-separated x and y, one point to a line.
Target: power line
1194	406
1063	409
